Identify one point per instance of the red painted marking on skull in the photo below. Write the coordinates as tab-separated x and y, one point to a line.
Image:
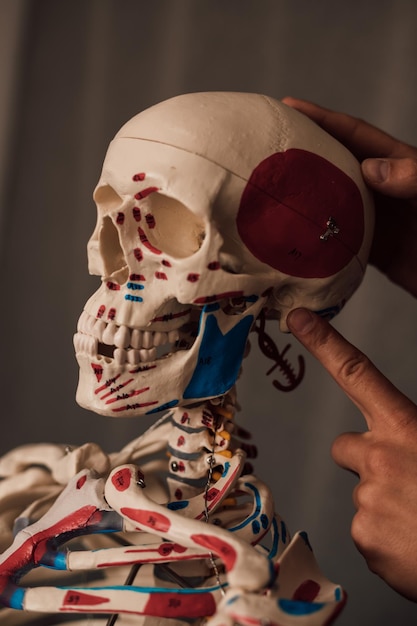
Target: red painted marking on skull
307	591
146	242
134	406
284	209
98	371
137	216
137	277
171	316
150	220
76	598
111	314
120	219
218	296
178	494
125	396
193	278
81	482
172	605
145	192
180	441
166	263
115	389
121	479
219	547
150	519
137	252
108	383
161	275
112	286
140	176
101	311
213	265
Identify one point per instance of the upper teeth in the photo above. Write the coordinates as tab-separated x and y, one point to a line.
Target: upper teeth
123	336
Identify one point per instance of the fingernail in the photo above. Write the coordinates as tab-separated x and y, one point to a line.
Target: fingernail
376	170
300	321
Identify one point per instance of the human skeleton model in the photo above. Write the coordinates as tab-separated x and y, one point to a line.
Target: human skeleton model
214	211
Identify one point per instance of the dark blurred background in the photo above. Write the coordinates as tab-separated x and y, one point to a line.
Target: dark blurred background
71	72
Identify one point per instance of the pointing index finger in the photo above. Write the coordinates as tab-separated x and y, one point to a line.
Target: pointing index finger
381	403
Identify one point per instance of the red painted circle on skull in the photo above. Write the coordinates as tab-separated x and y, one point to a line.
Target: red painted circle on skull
284	210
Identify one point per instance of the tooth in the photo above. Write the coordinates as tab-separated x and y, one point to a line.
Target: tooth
159	338
133	357
120	356
98	329
122	337
136	339
147	355
147	341
173	336
109	333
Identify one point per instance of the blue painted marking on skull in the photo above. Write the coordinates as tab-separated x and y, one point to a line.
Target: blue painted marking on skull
256	527
163	407
133	298
219	358
134	286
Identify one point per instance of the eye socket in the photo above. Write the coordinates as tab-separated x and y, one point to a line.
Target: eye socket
177	231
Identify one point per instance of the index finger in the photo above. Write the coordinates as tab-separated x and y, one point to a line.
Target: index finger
381	403
363	139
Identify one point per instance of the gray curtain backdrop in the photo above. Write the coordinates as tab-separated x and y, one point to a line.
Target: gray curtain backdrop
72	71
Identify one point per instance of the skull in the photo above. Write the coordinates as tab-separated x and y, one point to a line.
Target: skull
211	208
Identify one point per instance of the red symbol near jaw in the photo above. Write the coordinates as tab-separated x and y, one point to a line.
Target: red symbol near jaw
120	219
111	314
98	371
138	177
136	214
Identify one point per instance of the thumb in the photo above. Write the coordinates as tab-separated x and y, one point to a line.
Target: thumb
396	177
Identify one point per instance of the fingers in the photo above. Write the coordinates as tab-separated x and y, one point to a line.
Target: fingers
382	405
392	177
361	138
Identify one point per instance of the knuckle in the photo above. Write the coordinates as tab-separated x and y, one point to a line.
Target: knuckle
363	534
353	368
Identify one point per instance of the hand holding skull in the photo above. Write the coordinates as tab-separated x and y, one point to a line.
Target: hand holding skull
390	169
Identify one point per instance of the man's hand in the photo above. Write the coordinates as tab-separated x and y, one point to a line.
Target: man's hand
389	167
384	457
